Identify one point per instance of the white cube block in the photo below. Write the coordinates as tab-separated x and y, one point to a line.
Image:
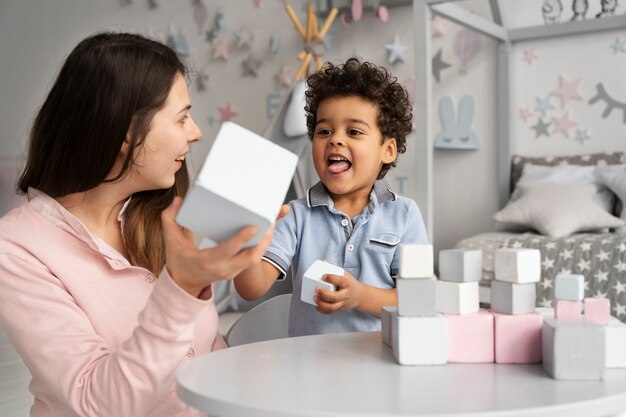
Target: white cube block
569	287
460	265
385	323
615	343
313	278
243	181
457	297
416	261
417	297
419	340
518	265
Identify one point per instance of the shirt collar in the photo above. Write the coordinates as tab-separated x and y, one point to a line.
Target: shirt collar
62	218
318	195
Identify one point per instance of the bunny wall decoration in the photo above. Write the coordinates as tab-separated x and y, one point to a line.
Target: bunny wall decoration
456	133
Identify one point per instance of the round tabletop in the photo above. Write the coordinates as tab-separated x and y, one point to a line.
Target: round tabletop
354	374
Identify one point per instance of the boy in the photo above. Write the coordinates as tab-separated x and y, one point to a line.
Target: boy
358	117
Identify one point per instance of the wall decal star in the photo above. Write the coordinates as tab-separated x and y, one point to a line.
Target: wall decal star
438	65
618	46
541	128
563	124
251	66
221	49
530	55
525	113
543	105
568	90
396	50
582	135
227	113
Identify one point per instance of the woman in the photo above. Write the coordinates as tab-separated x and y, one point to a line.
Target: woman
79	295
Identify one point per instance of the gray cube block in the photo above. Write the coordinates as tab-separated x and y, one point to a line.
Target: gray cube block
573	350
385	323
460	265
511	298
417	297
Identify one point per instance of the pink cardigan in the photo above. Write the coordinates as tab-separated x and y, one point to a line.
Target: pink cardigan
100	337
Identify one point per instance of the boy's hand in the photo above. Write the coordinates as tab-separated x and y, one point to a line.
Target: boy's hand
348	294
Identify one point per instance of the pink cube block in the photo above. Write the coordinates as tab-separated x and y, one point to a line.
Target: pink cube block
517	337
567	309
470	337
597	310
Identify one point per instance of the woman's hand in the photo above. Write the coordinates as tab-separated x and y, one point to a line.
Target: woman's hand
194	269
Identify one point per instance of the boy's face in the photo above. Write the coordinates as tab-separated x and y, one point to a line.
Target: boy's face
348	147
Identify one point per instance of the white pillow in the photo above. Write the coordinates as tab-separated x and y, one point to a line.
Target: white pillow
567	174
614	177
557	210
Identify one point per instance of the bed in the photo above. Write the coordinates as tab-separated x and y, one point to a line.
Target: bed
586	235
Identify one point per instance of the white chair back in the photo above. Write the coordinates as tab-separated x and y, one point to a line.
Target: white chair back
266	321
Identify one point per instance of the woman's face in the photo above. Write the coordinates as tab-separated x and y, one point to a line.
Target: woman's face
167	143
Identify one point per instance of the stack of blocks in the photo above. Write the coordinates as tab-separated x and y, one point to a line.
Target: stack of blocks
470	329
517	327
417	334
576	347
439	321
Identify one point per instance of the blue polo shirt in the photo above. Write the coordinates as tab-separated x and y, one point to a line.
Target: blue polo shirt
366	246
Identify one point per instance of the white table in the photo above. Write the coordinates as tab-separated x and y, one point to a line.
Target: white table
354	374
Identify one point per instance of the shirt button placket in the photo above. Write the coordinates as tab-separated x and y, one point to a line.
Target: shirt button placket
190	353
150	278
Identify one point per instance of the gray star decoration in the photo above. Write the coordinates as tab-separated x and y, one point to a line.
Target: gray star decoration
438	65
396	50
251	66
541	128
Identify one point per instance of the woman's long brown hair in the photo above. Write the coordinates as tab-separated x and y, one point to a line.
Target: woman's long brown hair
110	84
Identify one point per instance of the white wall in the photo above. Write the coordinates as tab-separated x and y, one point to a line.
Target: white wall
35	37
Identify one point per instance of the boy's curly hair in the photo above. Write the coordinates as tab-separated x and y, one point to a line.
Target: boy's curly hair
370	82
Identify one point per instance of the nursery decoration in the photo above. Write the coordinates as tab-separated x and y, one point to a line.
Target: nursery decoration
396	50
525	113
251	66
618	46
152	4
530	55
543	105
456	133
580	8
466	46
284	76
582	135
438	65
438	26
568	90
551	11
227	113
312	37
221	49
199	14
541	128
608	8
257	3
244	38
563	124
611	103
273	43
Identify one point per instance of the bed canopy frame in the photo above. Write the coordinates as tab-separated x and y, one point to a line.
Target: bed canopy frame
498	30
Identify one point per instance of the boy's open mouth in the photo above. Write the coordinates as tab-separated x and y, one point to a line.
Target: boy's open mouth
338	164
